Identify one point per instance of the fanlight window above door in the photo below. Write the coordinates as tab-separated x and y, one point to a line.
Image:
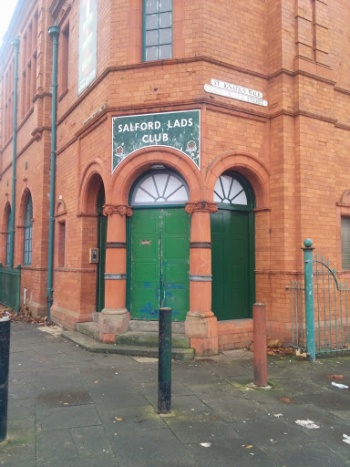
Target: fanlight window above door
228	190
160	188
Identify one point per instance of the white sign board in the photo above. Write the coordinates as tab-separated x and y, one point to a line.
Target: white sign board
234	91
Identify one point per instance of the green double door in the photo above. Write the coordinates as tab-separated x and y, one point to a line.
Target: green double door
158	263
232	264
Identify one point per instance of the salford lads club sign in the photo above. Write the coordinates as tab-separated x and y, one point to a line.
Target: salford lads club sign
179	130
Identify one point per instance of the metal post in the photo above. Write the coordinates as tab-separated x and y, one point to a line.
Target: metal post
164	361
309	300
15	44
260	346
54	33
4	373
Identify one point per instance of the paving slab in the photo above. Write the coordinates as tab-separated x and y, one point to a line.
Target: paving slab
72	407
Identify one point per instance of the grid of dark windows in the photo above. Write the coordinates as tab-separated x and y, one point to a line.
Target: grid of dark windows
8	238
28	233
28	50
64	60
157	29
7	92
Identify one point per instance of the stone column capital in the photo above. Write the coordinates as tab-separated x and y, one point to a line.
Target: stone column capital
121	209
201	206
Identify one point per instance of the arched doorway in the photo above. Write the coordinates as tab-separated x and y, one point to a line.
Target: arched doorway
158	253
232	232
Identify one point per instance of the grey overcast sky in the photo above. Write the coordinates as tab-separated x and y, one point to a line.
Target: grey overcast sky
6	7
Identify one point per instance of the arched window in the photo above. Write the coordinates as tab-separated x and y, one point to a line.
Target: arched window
232	191
8	237
160	187
28	232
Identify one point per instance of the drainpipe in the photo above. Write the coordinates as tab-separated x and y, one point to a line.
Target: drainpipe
309	300
15	44
54	33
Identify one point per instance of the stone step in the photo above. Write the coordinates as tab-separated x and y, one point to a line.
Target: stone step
89	329
152	326
142	337
150	339
91	344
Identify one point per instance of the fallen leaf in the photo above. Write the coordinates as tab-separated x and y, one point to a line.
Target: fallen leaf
336	376
25	315
273	343
118	419
249	446
280	351
285	400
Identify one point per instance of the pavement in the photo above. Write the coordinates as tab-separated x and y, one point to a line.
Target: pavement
73	407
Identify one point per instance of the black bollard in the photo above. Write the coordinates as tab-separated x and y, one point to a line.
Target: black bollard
4	373
164	361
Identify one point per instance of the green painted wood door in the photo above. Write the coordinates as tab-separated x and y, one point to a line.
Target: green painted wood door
159	263
231	264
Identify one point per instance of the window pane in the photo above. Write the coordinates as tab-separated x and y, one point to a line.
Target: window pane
150	187
161	183
165	5
165	36
151	6
345	242
152	53
142	197
165	51
180	195
236	188
152	38
240	199
165	20
151	22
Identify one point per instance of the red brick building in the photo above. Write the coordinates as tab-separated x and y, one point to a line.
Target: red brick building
198	144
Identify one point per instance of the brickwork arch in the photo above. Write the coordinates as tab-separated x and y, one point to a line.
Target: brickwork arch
143	160
345	198
93	178
250	167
